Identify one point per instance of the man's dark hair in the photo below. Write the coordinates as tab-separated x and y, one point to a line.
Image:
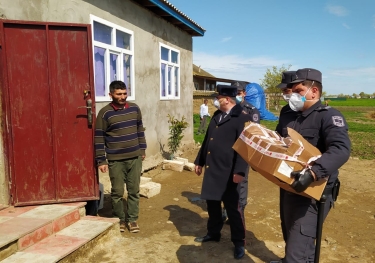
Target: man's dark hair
116	84
316	84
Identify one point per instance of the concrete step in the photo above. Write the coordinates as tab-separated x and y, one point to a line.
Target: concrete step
22	227
69	244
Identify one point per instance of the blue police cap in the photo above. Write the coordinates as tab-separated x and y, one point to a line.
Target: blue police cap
286	78
307	74
225	90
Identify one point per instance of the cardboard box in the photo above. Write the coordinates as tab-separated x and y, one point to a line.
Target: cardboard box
275	157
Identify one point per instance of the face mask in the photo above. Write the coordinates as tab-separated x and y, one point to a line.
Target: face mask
296	101
287	97
238	99
216	103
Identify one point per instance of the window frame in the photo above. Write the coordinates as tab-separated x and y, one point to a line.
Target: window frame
172	80
113	49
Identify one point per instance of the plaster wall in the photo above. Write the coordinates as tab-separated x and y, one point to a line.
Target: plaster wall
149	30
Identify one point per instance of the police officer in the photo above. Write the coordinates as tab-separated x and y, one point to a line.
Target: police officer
325	128
224	168
253	116
286	113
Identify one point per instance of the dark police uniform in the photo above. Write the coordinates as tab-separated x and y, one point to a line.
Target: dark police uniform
326	129
287	116
253	116
221	162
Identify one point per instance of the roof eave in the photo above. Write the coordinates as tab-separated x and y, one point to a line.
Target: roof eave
176	17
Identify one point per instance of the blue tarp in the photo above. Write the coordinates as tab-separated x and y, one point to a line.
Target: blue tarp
255	96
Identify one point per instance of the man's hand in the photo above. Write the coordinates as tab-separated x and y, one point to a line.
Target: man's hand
198	170
237	178
302	180
143	157
103	168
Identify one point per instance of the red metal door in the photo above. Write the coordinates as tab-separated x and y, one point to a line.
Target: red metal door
48	80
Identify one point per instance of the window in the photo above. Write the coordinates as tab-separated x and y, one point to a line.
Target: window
196	85
169	72
113	57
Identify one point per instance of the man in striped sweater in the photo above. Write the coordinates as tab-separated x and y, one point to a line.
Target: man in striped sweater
120	147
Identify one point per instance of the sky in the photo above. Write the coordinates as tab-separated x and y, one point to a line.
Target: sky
245	37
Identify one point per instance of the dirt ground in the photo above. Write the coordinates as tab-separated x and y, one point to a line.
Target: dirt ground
170	221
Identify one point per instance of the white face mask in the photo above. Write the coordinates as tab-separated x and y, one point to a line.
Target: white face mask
287	97
296	101
216	103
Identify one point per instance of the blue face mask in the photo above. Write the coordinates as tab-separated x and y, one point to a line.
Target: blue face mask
238	99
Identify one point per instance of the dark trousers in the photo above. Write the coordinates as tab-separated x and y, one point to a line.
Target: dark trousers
202	127
281	208
300	216
215	223
242	189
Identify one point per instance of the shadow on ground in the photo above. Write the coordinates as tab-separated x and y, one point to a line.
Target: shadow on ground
189	223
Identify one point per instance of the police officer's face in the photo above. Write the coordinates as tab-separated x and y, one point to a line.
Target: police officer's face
287	91
119	96
241	93
309	92
223	101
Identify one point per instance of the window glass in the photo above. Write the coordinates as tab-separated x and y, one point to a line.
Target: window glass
102	33
174	57
164	54
99	55
113	65
127	73
122	40
176	82
163	78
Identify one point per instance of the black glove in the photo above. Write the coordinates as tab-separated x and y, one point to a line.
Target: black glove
302	180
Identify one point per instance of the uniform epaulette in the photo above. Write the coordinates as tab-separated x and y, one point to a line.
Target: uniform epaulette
247	105
321	108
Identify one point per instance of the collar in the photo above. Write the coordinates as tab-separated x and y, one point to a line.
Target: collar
126	106
236	110
312	108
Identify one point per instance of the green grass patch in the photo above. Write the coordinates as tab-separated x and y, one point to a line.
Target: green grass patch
352	102
360	119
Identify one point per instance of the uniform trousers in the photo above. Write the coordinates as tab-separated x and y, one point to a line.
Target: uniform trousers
126	171
299	216
215	223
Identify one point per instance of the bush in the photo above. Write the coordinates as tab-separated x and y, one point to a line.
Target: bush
176	128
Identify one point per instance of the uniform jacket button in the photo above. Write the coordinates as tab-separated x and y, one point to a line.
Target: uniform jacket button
211	139
207	166
209	153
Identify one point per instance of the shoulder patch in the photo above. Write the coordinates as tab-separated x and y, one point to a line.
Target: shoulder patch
338	121
255	117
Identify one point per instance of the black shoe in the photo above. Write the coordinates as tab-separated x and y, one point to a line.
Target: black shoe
206	238
239	252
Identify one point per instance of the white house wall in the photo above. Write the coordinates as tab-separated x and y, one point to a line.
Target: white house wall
149	30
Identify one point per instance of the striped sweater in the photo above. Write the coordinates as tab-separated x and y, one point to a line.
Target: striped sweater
119	133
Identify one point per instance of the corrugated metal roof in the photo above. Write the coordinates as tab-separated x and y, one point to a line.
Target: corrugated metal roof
169	12
186	16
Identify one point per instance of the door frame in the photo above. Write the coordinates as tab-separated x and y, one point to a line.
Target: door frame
6	109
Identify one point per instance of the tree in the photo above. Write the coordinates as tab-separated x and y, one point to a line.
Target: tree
271	79
362	94
324	94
